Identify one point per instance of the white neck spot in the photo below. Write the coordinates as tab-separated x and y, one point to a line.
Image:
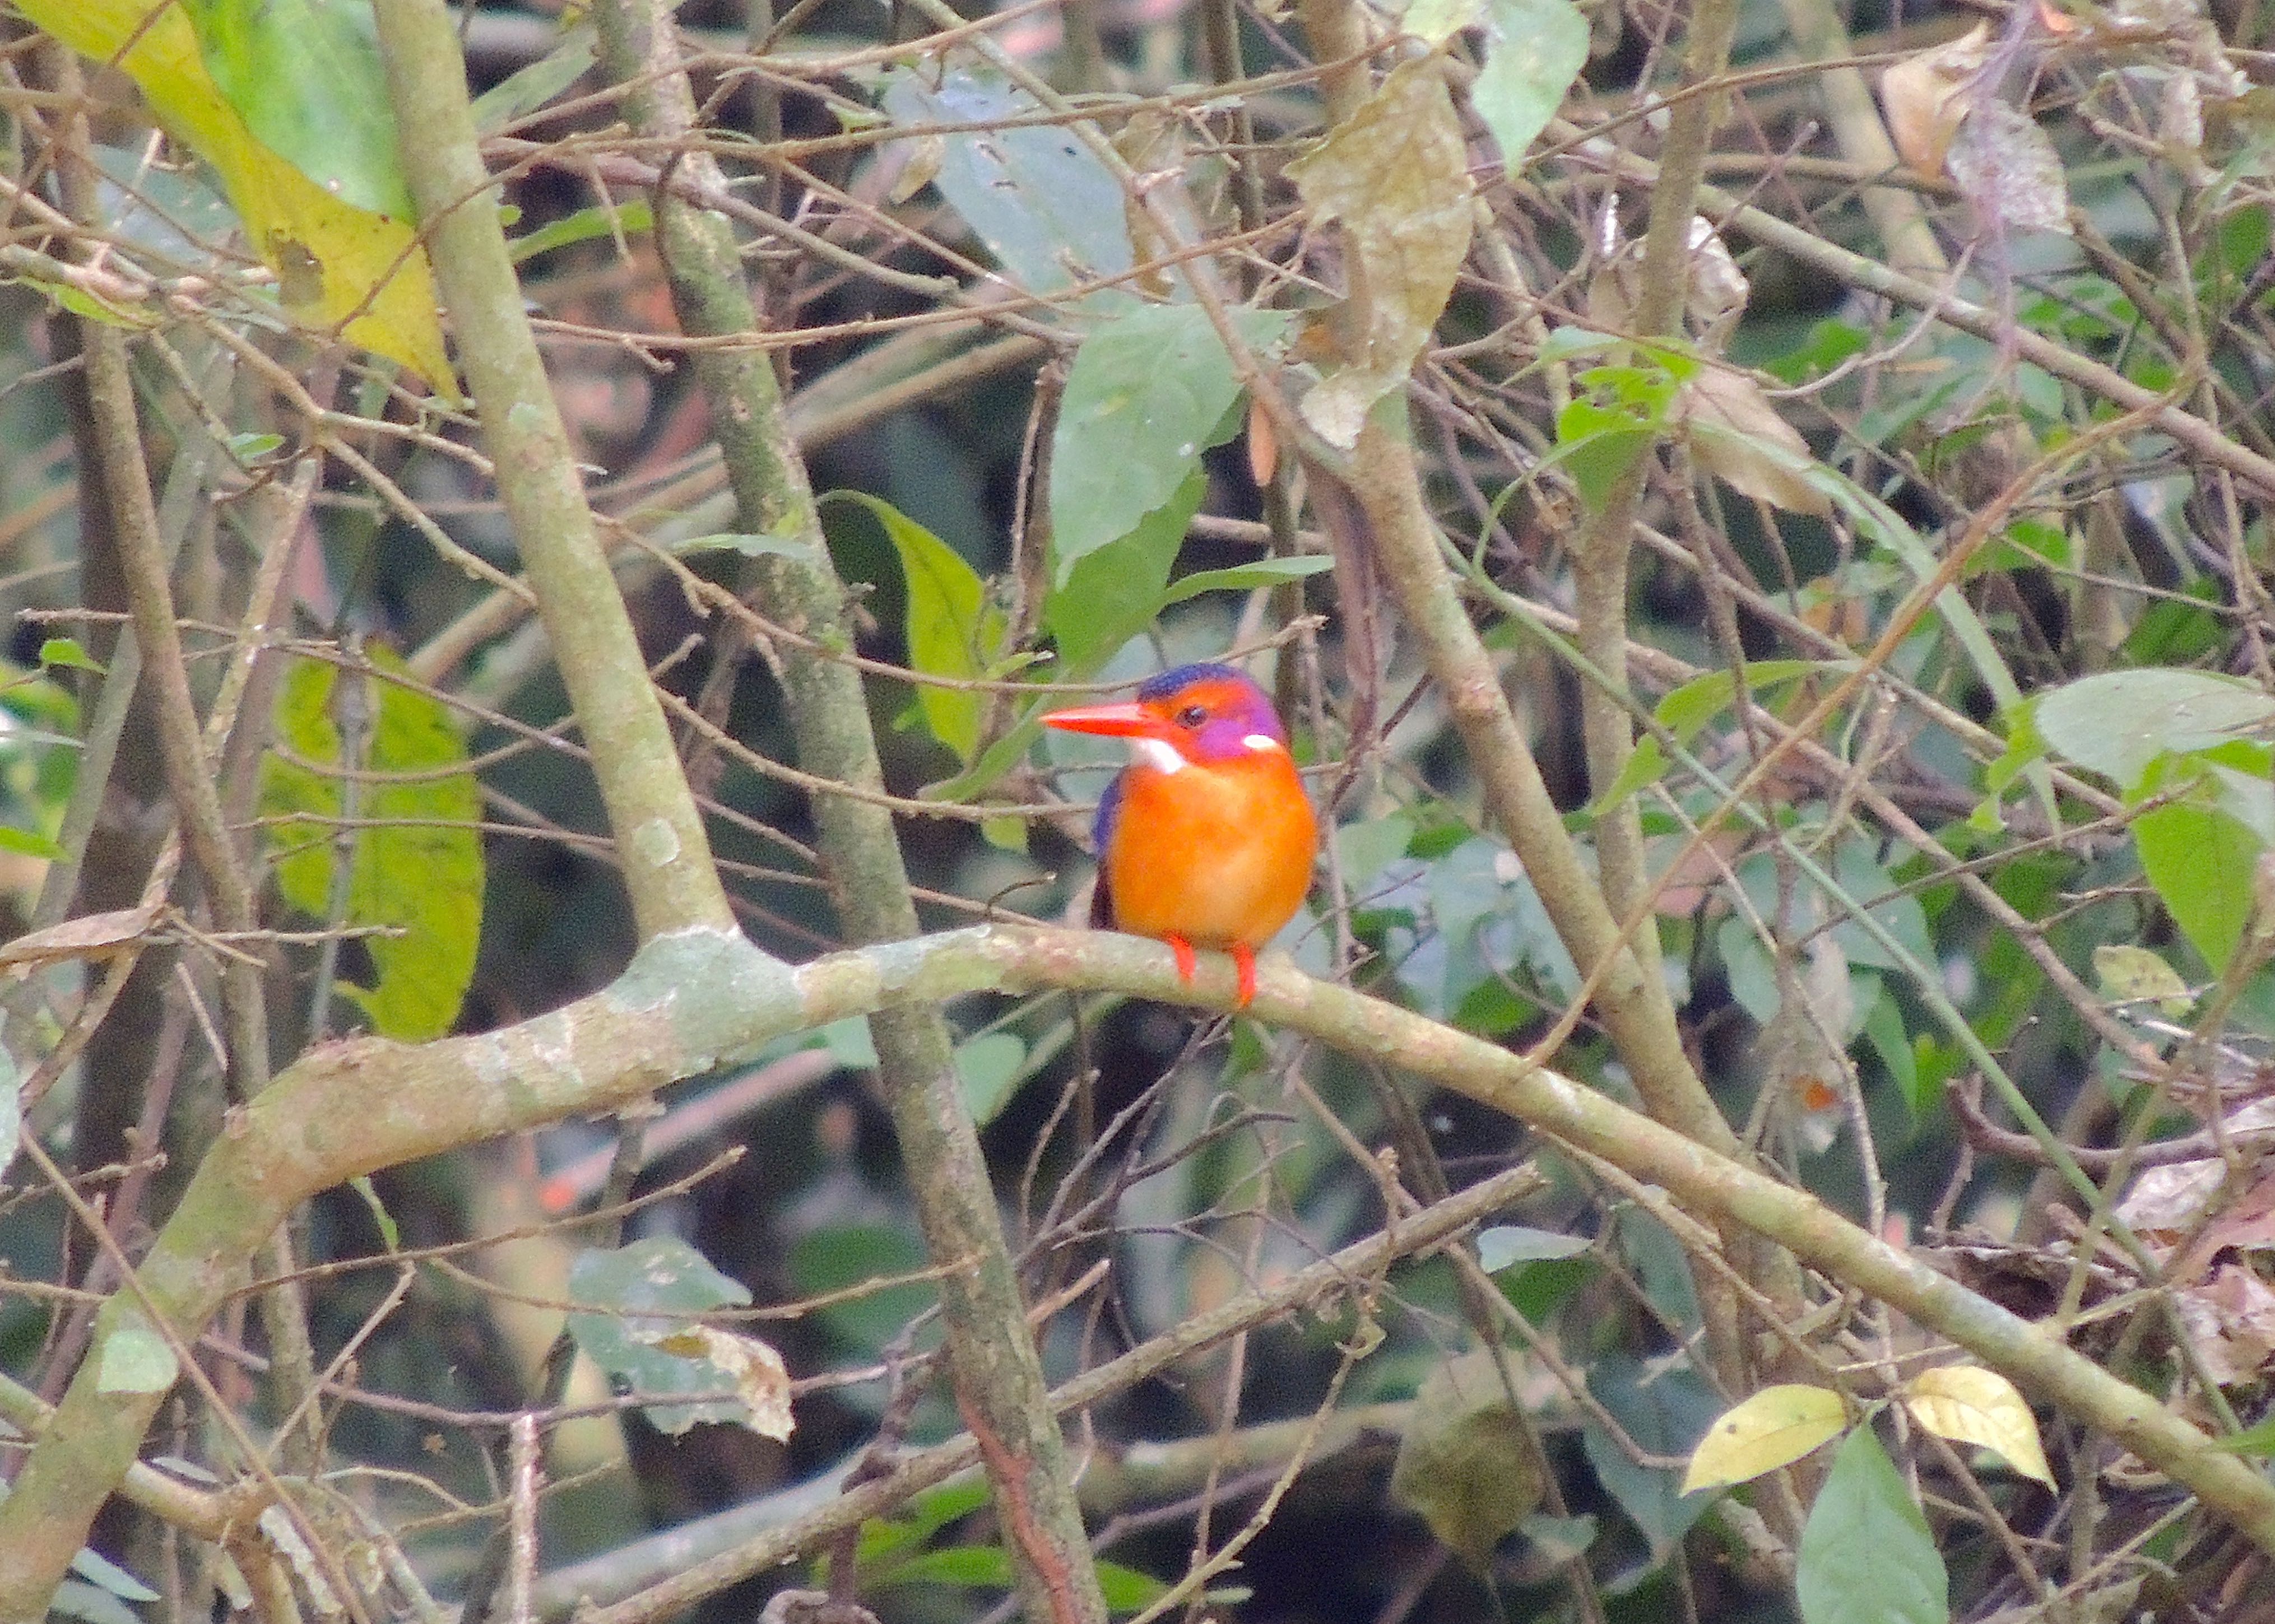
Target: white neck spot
1159	754
1262	741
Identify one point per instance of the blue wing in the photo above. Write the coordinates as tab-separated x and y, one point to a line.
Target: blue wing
1101	834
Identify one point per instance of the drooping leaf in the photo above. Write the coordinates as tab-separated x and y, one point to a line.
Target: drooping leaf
306	77
954	630
1969	1404
1465	1464
749	1365
416	867
1534	49
335	263
1046	206
1774	1427
1149	390
1396	176
1866	1554
637	1297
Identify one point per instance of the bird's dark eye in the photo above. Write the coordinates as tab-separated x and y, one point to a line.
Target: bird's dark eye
1192	715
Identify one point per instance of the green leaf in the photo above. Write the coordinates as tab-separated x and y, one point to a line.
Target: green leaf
2118	724
1394	174
25	843
306	77
1247	577
1665	1410
2200	860
416	868
1150	390
630	218
135	1358
988	1068
954	630
1866	1554
1534	49
750	546
1048	209
527	89
834	1259
1505	1245
961	1566
1883	1029
1126	1590
66	652
1113	594
632	1296
252	447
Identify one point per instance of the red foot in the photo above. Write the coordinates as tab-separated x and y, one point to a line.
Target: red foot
1244	963
1188	966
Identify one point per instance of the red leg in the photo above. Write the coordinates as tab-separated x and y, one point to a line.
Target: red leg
1188	966
1244	962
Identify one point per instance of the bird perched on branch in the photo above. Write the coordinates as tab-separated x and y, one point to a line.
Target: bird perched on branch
1206	838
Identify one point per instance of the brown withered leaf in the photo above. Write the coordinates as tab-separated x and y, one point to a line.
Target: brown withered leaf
2008	167
1738	436
760	1379
1394	176
1921	97
90	936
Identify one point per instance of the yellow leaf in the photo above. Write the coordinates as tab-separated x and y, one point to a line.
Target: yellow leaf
1774	1427
338	266
1970	1405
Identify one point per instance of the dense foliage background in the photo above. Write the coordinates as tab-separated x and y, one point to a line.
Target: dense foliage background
1788	483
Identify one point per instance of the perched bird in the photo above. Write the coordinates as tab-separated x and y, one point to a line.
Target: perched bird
1206	838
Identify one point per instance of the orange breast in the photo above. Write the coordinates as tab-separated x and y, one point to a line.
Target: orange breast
1219	854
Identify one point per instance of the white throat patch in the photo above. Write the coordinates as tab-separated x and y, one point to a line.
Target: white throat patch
1262	741
1159	754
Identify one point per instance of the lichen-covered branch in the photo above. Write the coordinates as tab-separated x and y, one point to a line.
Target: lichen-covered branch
695	1000
658	829
994	1364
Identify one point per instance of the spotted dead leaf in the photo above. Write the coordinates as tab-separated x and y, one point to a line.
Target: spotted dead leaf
1774	1427
753	1368
1920	96
1970	1405
90	936
1394	176
2007	166
1740	439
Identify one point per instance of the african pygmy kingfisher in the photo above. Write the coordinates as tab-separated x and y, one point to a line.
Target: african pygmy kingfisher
1206	838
